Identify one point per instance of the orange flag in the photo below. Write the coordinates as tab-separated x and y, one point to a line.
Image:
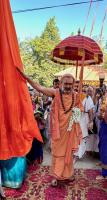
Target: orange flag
17	123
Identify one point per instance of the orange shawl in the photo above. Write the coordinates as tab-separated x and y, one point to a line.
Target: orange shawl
17	123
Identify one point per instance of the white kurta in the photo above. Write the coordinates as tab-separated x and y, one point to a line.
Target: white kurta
88	105
93	140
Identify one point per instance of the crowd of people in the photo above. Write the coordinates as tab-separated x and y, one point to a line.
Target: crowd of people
72	123
92	122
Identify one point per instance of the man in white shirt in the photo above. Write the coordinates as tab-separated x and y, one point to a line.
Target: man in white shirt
86	122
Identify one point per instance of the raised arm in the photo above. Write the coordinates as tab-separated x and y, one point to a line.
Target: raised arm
47	91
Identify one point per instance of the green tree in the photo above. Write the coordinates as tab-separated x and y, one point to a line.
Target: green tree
51	31
104	49
105	60
43	45
35	54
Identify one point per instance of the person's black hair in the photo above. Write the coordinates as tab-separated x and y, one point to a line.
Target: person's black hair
77	81
85	85
56	80
99	91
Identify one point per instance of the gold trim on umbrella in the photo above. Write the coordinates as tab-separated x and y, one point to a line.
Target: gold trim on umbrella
81	52
62	51
70	62
96	58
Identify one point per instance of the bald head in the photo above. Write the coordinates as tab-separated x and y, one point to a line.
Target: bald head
67	76
67	82
90	91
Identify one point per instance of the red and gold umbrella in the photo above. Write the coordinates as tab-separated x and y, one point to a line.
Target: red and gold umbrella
72	49
75	49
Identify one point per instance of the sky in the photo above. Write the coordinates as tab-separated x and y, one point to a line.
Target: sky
68	19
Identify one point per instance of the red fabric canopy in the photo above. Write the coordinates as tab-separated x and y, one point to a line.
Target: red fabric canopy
72	49
17	123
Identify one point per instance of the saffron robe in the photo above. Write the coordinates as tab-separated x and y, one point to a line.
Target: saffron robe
64	142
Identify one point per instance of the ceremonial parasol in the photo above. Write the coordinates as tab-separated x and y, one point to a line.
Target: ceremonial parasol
77	50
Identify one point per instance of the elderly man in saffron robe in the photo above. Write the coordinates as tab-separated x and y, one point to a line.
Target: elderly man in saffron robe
65	128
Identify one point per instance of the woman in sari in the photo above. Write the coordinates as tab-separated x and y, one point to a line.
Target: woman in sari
13	172
103	140
35	155
2	194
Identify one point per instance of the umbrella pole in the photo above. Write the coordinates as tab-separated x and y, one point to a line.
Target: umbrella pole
76	70
81	73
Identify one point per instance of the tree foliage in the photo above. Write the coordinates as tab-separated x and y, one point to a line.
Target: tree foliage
105	60
35	54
